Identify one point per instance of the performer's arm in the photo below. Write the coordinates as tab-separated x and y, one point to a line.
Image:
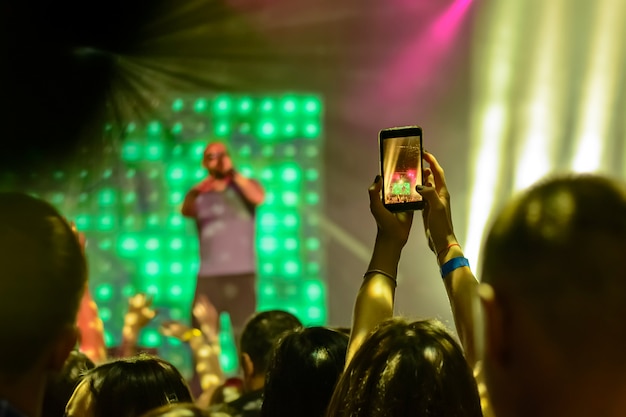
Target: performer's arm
189	207
250	189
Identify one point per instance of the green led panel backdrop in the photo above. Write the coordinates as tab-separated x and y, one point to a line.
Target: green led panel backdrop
128	206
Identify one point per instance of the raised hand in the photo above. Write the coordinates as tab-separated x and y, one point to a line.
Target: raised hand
393	228
374	301
205	185
207	315
140	311
174	328
437	214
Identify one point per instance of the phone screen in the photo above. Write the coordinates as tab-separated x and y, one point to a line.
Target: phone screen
401	166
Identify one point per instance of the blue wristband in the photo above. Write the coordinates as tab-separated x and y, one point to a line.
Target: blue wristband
453	264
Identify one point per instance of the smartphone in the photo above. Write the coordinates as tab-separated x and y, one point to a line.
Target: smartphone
401	167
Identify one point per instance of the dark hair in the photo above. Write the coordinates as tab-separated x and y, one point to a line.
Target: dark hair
407	369
558	248
303	372
43	275
261	333
59	388
131	386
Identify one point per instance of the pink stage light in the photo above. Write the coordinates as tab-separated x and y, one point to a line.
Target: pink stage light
419	60
445	27
416	64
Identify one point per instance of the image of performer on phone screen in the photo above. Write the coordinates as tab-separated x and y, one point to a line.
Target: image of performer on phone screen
402	169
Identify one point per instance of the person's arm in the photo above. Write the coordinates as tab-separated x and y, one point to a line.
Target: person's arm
207	349
139	314
461	285
88	319
207	317
189	204
206	355
188	208
91	329
375	299
250	190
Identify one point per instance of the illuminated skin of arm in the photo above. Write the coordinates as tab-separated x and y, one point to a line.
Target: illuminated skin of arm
250	189
206	355
461	284
189	208
88	319
375	299
139	314
206	349
91	329
204	344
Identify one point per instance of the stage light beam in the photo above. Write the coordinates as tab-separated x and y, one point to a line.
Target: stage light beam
494	77
536	149
598	101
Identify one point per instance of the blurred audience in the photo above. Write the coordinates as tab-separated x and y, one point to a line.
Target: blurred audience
551	268
43	278
59	388
205	347
128	388
258	339
554	298
407	369
303	372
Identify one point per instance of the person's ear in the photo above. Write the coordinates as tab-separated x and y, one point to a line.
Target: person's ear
494	340
247	365
62	346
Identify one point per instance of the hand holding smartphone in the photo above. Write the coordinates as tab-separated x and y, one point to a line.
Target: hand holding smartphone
401	167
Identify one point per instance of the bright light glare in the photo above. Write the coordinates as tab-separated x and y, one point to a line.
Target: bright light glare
486	170
599	86
493	71
535	149
547	81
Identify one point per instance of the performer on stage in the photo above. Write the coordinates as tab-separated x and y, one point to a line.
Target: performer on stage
223	205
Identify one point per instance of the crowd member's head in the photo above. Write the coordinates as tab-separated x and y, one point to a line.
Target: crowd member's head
42	279
217	160
258	338
407	369
555	300
303	372
60	387
128	388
